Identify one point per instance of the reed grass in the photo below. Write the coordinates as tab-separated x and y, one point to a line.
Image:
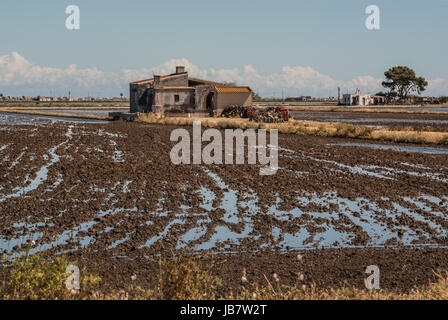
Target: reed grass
389	109
300	127
326	129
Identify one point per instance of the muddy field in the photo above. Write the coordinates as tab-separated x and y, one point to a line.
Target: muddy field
108	195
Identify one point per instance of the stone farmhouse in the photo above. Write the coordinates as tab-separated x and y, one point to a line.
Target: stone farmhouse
180	93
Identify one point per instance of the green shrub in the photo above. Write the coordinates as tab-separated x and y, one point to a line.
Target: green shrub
38	279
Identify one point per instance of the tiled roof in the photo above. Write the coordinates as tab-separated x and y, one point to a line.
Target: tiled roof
233	89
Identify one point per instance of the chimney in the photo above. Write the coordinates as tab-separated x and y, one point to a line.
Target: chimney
156	81
180	69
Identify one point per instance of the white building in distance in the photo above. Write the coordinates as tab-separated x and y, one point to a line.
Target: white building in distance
359	99
356	99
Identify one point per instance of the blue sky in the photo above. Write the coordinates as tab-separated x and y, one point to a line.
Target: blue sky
298	47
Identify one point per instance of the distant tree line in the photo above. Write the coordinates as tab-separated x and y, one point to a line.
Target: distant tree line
443	99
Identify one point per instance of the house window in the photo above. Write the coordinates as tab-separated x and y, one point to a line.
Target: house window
176	98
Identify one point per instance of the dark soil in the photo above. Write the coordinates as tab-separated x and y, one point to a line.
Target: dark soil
115	203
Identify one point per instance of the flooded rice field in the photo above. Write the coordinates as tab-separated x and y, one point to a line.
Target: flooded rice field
439	122
108	195
96	112
413	109
23	118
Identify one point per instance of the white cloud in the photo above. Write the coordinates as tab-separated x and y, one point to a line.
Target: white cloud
18	74
440	85
15	70
128	75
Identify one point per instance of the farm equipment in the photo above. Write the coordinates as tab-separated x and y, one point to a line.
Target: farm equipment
268	115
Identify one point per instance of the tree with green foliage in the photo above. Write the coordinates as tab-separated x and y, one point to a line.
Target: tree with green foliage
401	80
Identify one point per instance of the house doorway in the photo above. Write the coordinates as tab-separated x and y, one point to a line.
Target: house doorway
210	103
149	101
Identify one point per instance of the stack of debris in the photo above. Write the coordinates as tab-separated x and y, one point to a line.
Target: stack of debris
273	114
268	115
235	111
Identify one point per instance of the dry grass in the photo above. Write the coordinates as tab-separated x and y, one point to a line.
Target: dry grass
434	291
411	136
39	279
184	279
389	109
327	129
300	127
220	123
